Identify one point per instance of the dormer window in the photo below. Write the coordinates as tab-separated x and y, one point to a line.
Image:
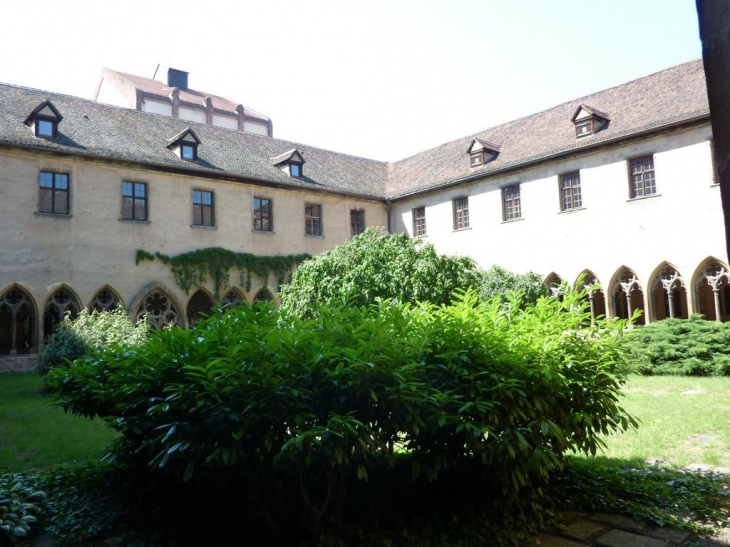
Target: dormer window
44	120
588	121
291	163
481	152
185	145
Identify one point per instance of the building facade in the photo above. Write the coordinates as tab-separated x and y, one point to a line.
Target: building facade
615	191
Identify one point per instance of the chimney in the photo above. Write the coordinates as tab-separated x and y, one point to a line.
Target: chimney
177	78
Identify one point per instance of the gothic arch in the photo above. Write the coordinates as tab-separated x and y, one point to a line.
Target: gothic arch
234	297
712	283
18	314
588	282
105	299
200	303
263	295
627	294
668	293
553	282
159	307
61	302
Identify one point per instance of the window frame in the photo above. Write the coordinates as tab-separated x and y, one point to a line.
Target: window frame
298	167
54	191
193	151
135	198
589	123
460	210
259	205
419	221
574	189
632	183
476	158
357	222
511	206
203	207
312	222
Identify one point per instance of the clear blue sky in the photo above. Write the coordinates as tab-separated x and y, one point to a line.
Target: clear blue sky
380	78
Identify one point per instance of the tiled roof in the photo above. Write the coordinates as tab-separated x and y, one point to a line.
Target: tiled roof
669	97
664	98
97	130
187	96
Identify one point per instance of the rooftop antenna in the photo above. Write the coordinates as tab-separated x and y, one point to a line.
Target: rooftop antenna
155	74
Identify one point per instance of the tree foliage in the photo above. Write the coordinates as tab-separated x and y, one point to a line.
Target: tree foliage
498	282
374	265
295	408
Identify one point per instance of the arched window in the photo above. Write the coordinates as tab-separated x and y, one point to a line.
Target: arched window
232	299
669	294
61	303
200	303
712	286
17	322
104	300
554	281
263	296
628	296
595	296
159	309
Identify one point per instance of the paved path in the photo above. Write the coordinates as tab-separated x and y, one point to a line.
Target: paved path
602	530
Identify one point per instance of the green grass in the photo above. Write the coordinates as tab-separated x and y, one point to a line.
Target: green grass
34	434
685	420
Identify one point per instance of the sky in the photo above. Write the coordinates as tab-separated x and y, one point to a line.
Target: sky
382	79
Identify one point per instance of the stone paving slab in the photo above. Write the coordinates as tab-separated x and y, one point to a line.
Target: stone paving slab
618	521
546	540
619	538
583	529
669	534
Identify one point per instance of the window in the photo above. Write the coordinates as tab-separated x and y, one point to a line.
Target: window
45	128
419	221
570	196
262	215
476	158
313	219
53	193
188	152
583	129
357	221
295	170
134	201
203	214
641	173
511	202
461	213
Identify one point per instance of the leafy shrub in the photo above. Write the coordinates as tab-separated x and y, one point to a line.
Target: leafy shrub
498	282
374	265
90	332
295	408
20	507
683	347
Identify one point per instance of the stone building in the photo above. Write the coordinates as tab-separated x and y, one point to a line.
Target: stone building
616	189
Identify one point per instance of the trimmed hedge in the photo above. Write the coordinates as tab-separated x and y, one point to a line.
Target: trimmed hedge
293	409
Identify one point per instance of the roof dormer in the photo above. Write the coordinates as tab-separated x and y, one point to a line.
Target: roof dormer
185	145
44	120
588	121
291	162
481	152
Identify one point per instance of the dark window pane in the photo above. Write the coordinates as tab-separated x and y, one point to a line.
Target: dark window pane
45	201
207	216
127	208
139	209
61	203
197	214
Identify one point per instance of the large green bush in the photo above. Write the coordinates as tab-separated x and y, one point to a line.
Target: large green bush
685	347
90	331
374	265
295	408
498	282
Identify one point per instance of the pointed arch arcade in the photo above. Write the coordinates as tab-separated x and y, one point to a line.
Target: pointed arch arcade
105	299
17	322
160	309
594	294
200	303
669	293
628	295
554	282
62	302
713	290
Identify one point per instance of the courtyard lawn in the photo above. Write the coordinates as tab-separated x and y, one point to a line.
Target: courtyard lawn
34	434
684	420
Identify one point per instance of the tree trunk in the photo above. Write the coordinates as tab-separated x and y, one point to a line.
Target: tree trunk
714	19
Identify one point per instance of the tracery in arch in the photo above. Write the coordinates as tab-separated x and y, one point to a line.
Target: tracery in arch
232	299
669	294
713	291
594	294
200	303
159	309
628	296
264	295
17	322
60	304
105	300
554	282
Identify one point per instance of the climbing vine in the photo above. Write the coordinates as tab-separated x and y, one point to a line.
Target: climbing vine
196	267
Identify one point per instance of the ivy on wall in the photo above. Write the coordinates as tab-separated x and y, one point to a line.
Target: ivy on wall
197	267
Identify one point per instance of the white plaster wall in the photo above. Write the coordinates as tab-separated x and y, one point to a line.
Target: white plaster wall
92	247
191	115
156	107
111	95
682	224
259	129
225	121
